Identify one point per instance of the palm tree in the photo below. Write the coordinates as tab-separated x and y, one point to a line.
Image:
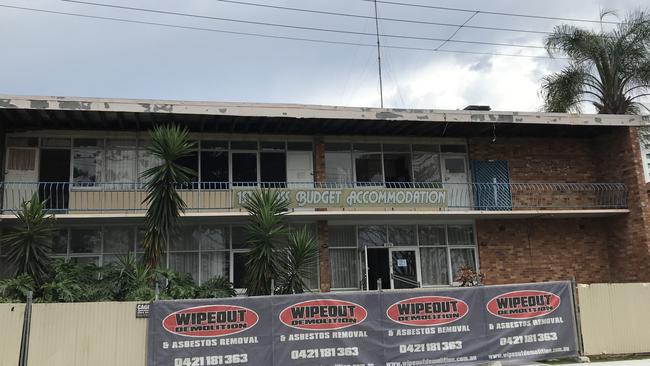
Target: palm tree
266	233
610	69
169	143
29	242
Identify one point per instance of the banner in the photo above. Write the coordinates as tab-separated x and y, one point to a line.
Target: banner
461	326
353	197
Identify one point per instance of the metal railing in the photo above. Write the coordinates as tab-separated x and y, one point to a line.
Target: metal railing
213	196
406	280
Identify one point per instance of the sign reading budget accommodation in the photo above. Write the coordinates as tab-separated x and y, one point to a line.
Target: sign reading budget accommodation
462	326
350	198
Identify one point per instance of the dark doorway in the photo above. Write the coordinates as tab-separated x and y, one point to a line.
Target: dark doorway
378	267
54	177
273	169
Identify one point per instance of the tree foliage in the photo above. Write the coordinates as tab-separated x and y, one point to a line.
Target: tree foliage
28	243
126	280
169	144
278	257
300	257
609	69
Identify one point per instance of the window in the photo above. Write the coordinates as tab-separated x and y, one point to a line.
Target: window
85	246
121	157
273	164
368	164
214	169
191	162
426	164
397	165
443	249
344	258
87	161
372	236
21	159
338	163
402	235
244	168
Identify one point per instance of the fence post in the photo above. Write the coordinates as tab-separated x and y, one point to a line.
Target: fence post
379	284
24	341
576	316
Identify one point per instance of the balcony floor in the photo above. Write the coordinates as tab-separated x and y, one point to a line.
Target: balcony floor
232	216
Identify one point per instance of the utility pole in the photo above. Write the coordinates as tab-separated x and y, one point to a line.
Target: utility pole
381	85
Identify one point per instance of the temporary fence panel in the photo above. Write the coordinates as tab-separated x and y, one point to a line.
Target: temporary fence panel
424	327
11	318
614	318
80	334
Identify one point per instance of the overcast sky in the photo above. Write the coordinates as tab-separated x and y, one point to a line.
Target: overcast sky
50	54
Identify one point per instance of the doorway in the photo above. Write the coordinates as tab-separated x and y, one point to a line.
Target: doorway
54	177
455	180
20	176
397	267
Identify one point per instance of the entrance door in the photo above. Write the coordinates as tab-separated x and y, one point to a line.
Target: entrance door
456	180
21	174
405	269
54	175
377	266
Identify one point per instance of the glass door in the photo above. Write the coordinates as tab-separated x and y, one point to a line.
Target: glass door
456	180
404	268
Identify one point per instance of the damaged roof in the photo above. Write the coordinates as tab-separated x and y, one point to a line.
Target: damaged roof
310	111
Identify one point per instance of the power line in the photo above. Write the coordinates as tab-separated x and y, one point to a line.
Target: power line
323	12
352	16
456	31
519	15
261	35
289	26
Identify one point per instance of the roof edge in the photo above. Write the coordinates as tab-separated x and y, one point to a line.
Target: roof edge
312	111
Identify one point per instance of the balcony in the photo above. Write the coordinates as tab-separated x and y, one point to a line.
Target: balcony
204	197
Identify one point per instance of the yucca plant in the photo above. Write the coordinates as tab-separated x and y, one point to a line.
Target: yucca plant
215	287
28	243
278	257
266	234
610	70
297	261
164	204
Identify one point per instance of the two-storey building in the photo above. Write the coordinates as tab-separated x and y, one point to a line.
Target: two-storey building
406	196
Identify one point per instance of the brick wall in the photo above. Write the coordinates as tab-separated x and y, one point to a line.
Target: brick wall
531	250
544	159
629	242
615	248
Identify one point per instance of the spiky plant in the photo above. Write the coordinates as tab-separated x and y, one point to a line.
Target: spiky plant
164	204
610	70
266	234
28	243
297	260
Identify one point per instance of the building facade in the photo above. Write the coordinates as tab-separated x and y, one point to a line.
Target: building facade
405	196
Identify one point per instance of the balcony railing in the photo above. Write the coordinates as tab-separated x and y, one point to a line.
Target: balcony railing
224	196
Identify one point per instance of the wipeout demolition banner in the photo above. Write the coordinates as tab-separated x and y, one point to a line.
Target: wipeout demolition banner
461	326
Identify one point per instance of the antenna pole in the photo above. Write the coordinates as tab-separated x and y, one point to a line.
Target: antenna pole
381	85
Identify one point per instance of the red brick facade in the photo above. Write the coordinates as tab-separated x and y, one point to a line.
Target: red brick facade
534	250
615	248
